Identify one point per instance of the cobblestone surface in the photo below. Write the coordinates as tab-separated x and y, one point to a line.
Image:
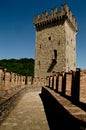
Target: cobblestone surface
28	114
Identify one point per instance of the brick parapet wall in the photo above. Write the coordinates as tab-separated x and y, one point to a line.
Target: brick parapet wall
12	87
71	84
9	80
37	82
83	86
1	78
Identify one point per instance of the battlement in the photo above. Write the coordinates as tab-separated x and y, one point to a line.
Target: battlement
55	16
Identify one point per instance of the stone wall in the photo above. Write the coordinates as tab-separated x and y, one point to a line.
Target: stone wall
55	42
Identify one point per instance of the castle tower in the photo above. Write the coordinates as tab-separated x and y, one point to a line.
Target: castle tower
55	42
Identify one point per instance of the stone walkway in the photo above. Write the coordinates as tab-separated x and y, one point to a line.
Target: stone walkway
28	114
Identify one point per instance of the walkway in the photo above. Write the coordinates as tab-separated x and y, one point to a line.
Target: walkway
28	114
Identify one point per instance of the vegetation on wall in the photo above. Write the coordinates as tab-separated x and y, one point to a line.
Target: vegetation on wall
22	66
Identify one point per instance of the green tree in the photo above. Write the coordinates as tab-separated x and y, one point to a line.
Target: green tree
22	66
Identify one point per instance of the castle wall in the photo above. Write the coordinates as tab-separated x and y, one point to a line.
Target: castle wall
83	86
7	80
1	78
60	76
10	80
68	84
72	85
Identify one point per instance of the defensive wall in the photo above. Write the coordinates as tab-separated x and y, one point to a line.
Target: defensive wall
10	79
12	87
71	84
66	93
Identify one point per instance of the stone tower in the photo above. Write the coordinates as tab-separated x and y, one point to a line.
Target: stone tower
55	42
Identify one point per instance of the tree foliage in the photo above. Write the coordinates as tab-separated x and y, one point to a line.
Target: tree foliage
22	66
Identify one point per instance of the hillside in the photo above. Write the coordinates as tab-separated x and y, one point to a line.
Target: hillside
22	66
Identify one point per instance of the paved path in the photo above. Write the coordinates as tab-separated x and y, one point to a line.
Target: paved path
28	114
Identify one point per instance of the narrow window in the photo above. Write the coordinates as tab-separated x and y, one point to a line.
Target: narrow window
39	64
49	38
40	46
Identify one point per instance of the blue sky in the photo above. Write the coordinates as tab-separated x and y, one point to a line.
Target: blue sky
17	32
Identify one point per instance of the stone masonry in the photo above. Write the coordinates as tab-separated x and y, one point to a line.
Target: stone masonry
55	42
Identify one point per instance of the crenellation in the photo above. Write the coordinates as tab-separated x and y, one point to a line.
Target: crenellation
44	14
72	84
54	12
70	15
36	19
1	78
75	23
54	16
65	8
72	19
64	14
9	80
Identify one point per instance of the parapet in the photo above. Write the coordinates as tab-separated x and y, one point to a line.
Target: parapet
55	16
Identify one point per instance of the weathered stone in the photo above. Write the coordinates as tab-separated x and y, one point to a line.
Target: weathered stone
55	42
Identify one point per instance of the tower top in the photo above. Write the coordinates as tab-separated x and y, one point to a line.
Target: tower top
55	17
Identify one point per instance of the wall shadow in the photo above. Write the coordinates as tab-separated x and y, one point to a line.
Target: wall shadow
58	117
77	103
75	88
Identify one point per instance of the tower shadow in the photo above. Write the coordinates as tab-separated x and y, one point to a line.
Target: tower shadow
52	65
